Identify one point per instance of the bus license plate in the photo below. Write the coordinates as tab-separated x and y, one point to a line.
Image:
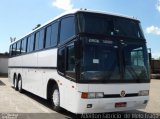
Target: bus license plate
120	104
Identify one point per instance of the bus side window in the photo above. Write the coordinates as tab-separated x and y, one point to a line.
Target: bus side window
61	60
37	40
23	48
67	29
10	50
41	40
54	34
48	37
28	44
14	49
18	49
32	45
70	61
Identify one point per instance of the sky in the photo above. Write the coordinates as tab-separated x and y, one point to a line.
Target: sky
18	17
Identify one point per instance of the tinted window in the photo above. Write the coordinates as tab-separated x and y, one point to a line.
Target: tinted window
136	64
48	37
54	34
128	28
41	39
61	60
32	43
10	50
37	41
28	44
70	58
70	61
100	61
108	25
23	48
18	49
14	49
67	29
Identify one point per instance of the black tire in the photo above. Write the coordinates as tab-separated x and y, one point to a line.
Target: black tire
54	93
15	83
20	89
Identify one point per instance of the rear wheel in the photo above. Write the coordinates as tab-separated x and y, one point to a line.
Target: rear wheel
20	85
15	83
56	99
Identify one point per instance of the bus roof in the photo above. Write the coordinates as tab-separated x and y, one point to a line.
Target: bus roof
74	11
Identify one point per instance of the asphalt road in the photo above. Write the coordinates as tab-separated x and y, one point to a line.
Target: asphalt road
14	105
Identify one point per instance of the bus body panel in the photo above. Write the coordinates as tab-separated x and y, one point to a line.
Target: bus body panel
15	61
33	68
29	60
100	105
48	58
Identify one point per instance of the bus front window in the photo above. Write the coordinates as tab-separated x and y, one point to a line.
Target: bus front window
108	25
114	61
100	60
135	61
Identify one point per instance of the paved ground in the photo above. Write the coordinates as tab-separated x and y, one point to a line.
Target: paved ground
29	106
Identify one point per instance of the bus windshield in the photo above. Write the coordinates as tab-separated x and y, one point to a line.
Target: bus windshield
108	25
101	60
114	60
135	60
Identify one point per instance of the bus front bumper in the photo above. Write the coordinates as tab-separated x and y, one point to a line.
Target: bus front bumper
109	105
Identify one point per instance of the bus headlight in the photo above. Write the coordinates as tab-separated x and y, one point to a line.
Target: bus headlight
91	95
143	93
99	95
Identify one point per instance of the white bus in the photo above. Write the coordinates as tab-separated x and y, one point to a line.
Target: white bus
85	62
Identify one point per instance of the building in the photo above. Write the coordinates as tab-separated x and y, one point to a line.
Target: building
155	69
4	64
155	66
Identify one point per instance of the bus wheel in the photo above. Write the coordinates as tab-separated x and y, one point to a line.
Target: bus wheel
20	85
56	99
15	83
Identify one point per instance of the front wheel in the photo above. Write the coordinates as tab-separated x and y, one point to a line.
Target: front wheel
56	99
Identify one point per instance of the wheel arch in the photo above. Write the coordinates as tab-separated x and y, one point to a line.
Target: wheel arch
50	84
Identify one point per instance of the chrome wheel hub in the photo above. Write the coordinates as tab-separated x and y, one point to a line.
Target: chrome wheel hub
56	97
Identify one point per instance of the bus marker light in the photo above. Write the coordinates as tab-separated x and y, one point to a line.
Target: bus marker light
84	95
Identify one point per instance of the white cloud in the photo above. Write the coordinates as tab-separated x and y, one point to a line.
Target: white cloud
158	5
63	4
155	55
153	29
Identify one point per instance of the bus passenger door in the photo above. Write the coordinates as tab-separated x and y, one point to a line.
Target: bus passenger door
70	74
66	67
